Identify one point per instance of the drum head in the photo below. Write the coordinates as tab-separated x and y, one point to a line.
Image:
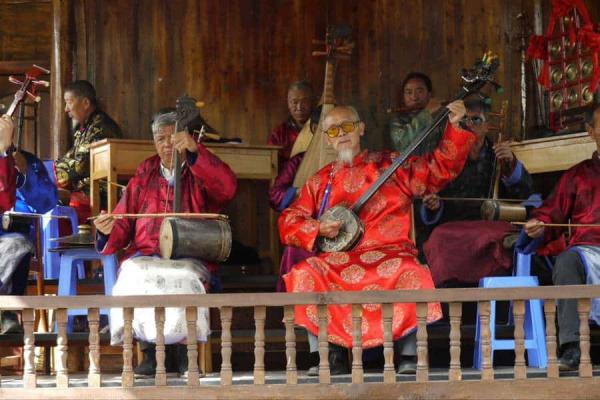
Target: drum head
166	239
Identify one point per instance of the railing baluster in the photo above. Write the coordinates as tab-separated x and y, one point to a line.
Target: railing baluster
226	372
29	376
161	373
259	345
191	316
324	375
62	373
585	365
487	372
422	355
389	373
455	373
550	312
290	346
127	377
357	367
519	317
94	377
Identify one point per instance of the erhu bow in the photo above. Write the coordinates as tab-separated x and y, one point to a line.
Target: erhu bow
352	229
317	152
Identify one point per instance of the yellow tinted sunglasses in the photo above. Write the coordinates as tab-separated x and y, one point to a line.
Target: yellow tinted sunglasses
334	130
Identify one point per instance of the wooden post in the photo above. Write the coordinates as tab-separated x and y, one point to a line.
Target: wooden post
94	377
259	345
191	316
357	367
422	355
519	316
487	372
62	373
61	72
127	377
290	345
29	377
455	373
389	373
324	373
585	365
161	372
226	372
550	312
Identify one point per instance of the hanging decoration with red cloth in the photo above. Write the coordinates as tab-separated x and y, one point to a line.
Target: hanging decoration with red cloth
570	72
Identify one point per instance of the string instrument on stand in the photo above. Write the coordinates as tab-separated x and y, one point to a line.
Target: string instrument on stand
494	209
180	237
27	90
352	228
317	153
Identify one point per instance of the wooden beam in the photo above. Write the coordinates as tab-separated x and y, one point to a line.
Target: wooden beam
61	73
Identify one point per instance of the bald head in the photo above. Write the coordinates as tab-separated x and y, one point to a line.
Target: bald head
344	112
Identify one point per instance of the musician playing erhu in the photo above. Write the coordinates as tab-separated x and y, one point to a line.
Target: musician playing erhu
207	185
91	124
456	223
26	187
416	114
385	258
576	199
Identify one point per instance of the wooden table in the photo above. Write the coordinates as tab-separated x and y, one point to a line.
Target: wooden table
557	153
111	159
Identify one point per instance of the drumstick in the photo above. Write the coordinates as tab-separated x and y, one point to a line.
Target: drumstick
562	225
163	215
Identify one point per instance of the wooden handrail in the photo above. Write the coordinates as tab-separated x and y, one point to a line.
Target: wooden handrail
283	299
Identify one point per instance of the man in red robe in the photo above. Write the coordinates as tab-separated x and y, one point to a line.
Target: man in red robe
575	199
385	258
7	169
300	101
207	185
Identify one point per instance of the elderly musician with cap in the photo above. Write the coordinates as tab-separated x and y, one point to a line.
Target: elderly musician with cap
385	258
207	185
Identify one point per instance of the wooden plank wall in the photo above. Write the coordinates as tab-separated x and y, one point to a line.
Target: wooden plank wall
239	55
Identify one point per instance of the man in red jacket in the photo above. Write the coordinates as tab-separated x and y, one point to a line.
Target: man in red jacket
7	170
207	185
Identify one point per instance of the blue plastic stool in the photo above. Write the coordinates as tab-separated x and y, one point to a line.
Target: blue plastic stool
535	334
67	281
50	231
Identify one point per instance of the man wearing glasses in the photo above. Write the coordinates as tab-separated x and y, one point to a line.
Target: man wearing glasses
455	221
385	257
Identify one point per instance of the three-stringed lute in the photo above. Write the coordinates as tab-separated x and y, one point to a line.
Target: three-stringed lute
352	229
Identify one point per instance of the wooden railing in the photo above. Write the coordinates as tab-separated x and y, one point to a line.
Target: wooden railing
384	385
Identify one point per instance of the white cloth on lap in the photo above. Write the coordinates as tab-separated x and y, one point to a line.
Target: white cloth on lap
155	276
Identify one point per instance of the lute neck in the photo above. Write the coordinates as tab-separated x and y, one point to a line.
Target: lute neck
328	84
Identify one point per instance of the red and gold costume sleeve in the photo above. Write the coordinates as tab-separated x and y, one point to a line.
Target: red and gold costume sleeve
297	226
431	172
7	183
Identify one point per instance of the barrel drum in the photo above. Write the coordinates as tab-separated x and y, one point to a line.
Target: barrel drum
208	240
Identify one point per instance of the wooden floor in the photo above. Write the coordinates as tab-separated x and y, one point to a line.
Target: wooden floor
278	377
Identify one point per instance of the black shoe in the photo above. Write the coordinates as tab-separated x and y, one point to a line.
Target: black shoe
148	365
10	323
338	360
182	360
408	366
569	361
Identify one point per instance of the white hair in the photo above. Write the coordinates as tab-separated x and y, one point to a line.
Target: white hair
162	120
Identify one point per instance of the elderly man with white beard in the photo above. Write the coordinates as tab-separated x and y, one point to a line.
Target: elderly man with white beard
385	258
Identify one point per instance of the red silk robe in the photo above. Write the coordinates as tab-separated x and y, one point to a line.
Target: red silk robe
575	197
207	186
385	258
7	183
284	135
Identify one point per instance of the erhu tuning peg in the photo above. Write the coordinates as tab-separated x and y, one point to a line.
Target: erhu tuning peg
42	83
